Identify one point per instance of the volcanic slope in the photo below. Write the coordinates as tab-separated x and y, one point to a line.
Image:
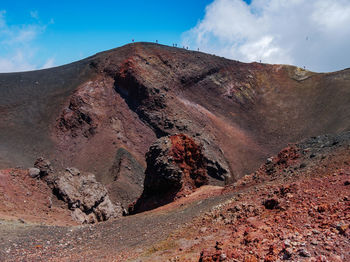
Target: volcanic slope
101	114
296	207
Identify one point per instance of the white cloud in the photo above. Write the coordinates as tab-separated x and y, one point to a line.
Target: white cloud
18	61
49	63
18	50
20	35
315	34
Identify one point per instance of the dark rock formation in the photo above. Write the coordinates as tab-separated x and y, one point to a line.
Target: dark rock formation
175	167
87	198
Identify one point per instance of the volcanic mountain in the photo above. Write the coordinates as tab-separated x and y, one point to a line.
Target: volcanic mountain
158	125
102	113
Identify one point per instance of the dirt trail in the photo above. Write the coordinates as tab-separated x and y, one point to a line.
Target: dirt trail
103	242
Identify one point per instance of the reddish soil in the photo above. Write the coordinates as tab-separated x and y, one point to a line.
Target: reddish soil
30	200
312	217
295	207
300	217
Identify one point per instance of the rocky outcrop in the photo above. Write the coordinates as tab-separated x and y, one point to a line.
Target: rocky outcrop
97	131
87	198
155	105
175	167
77	118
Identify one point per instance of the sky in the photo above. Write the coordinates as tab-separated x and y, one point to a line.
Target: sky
42	34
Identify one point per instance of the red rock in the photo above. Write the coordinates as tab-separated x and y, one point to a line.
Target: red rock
335	258
211	255
322	208
250	258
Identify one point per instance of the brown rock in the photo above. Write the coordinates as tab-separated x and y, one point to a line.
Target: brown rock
250	258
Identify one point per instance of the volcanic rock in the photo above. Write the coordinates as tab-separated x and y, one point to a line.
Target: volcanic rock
175	167
77	118
87	198
212	255
271	203
304	253
34	172
125	179
44	166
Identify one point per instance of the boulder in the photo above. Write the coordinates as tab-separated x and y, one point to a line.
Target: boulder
87	198
175	168
34	172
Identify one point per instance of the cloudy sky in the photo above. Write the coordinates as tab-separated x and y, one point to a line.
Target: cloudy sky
41	34
314	34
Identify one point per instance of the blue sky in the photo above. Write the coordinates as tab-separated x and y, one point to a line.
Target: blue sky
41	34
72	30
